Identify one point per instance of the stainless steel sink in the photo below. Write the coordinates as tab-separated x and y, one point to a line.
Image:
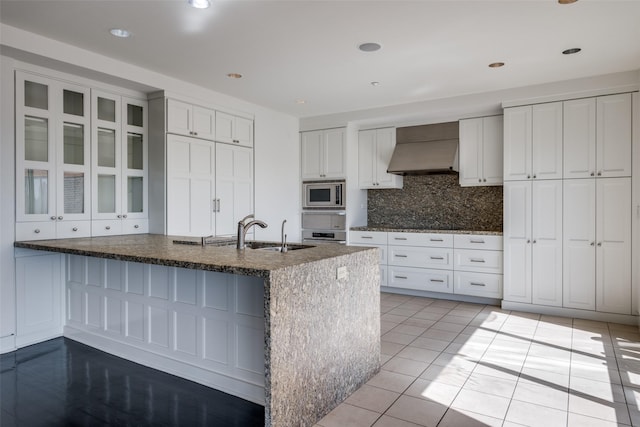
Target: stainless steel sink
269	246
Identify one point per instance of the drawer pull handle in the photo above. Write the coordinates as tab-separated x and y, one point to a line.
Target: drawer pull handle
367	237
75	229
37	231
476	284
436	257
436	280
400	238
400	277
399	256
107	228
136	226
476	241
436	240
476	260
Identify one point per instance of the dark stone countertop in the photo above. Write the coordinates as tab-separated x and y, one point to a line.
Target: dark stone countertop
422	230
160	249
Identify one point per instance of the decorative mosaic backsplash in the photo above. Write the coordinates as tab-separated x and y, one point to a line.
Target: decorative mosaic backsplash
436	202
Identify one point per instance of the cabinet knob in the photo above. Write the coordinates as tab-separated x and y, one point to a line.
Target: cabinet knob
124	216
484	180
528	176
599	173
53	218
599	243
108	227
479	180
592	243
534	241
190	132
528	241
119	216
60	218
75	229
534	177
236	141
592	173
136	226
37	231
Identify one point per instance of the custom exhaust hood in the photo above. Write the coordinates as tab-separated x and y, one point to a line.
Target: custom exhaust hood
426	149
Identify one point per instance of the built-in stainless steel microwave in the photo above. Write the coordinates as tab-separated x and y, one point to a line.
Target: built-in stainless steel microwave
325	195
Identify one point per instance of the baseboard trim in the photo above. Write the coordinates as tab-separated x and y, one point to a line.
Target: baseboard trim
440	295
625	319
244	390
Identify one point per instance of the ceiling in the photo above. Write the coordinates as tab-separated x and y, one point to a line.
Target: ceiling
308	50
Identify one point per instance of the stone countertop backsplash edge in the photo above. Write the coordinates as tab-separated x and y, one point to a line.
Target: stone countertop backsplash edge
422	230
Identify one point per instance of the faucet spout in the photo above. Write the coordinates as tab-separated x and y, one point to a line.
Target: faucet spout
244	228
283	238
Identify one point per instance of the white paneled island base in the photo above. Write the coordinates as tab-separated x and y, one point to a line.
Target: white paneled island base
205	326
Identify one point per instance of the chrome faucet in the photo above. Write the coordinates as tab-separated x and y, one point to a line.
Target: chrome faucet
283	238
243	228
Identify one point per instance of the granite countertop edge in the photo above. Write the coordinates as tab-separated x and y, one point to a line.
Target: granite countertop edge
160	250
423	230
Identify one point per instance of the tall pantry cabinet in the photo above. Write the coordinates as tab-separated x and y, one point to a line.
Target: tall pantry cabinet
567	219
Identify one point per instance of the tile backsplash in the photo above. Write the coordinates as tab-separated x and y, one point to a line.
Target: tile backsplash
436	202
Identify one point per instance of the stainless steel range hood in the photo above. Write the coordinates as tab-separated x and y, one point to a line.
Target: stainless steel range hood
427	149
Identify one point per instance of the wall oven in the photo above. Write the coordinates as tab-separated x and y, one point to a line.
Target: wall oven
323	195
324	227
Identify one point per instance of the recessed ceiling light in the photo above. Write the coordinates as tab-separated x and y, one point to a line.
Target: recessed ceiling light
300	101
571	51
119	32
199	4
567	1
375	83
369	47
234	76
496	65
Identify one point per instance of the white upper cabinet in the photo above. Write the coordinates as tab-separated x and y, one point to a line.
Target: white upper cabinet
517	143
597	137
546	142
533	142
119	165
233	129
481	151
613	130
52	159
323	154
190	120
375	148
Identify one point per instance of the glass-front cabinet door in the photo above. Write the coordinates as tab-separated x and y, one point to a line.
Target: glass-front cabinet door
106	156
35	149
134	158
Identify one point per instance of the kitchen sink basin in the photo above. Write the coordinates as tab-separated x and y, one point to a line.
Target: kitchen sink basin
263	246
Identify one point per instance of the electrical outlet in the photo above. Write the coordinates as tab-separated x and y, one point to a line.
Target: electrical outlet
342	273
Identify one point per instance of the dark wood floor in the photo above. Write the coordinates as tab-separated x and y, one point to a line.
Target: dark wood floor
64	383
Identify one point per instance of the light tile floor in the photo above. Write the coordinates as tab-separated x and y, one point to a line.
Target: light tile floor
447	363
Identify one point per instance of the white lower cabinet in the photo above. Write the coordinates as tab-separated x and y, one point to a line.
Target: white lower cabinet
39	304
533	242
463	264
204	326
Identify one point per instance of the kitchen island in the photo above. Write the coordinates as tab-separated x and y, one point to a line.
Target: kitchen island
296	331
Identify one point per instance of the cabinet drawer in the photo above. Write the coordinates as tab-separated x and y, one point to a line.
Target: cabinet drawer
478	284
36	230
135	226
481	261
70	229
477	241
406	256
421	239
368	237
106	227
422	279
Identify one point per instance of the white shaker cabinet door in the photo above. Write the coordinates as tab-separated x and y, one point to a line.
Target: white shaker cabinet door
471	150
547	242
334	153
613	245
178	117
312	154
517	143
579	251
579	138
204	123
547	141
614	135
385	144
234	187
492	150
366	158
517	241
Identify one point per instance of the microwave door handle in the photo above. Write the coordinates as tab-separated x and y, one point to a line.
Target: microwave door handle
339	195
